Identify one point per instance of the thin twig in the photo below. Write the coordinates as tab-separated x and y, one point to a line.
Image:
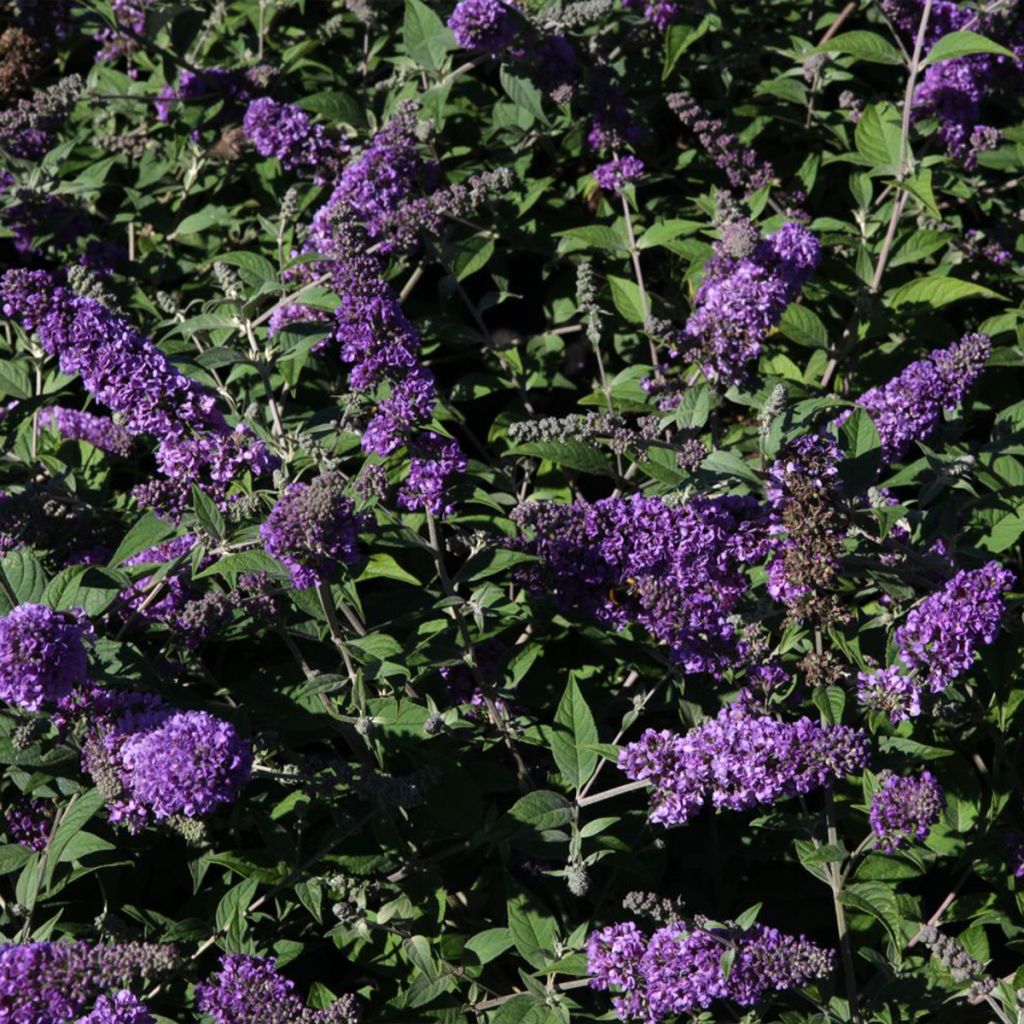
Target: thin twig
942	908
609	794
41	866
842	929
295	873
264	371
645	306
838	23
832	30
903	166
490	1004
640	705
414	278
486	689
291	297
908	96
152	592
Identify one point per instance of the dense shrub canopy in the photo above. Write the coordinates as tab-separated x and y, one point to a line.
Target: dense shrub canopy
511	511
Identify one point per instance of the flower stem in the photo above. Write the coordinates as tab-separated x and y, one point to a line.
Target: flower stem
608	794
486	687
634	254
836	884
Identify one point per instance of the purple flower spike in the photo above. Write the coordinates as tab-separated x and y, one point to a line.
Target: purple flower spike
941	636
54	982
190	764
313	530
99	431
484	25
905	809
909	407
286	132
120	1008
739	760
680	968
250	988
614	175
677	571
42	657
743	296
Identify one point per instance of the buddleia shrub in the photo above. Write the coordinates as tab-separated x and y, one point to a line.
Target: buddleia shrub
511	511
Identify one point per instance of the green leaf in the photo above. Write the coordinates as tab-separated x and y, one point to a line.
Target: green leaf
489	945
804	326
1005	533
232	565
321	684
665	231
789	90
426	37
940	291
149	531
205	322
807	853
209	516
574	454
862	451
338	107
920	245
877	135
93	176
678	39
861	45
878	900
253	268
693	411
320	996
749	916
591	236
83	844
526	1009
96	589
573	729
627	392
830	700
523	93
311	895
75	817
960	44
861	189
25	576
727	463
215	358
627	298
14	380
828	853
912	748
26	889
381	566
573	964
726	962
541	810
207	217
472	255
920	185
376	645
235	903
961	813
489	563
12	858
533	931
